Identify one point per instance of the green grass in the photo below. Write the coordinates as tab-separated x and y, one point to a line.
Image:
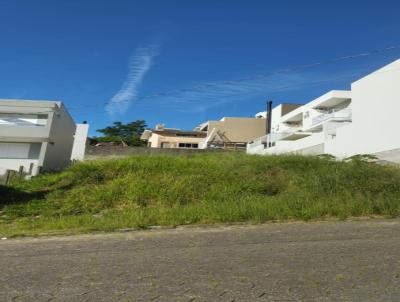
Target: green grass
141	191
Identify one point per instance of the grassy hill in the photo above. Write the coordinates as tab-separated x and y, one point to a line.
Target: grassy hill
141	191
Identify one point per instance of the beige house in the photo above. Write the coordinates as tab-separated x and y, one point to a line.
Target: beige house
231	132
161	137
227	133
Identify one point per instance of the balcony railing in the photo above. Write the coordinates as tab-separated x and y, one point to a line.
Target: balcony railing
339	115
258	142
22	120
270	139
24	127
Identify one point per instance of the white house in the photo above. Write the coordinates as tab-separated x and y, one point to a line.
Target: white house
37	135
364	120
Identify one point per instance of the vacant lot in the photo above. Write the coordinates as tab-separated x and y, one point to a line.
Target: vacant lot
143	190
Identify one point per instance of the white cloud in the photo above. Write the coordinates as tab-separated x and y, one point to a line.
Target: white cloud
139	64
207	95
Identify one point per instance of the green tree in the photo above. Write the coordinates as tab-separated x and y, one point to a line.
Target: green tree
127	134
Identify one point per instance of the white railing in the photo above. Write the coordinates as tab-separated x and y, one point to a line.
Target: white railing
268	140
25	120
341	114
258	142
281	135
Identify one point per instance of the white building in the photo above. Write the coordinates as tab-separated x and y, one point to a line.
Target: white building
364	120
80	138
37	135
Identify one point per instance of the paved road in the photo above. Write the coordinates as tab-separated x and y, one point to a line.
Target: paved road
327	261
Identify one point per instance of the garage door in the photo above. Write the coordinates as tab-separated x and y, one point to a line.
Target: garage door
14	150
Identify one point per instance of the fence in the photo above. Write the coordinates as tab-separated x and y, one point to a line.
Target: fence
9	175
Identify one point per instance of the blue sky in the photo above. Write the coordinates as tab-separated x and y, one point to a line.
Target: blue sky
181	62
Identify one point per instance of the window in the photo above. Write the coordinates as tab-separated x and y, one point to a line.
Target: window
20	150
188	145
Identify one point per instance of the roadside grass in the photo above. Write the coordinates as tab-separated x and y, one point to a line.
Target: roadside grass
167	190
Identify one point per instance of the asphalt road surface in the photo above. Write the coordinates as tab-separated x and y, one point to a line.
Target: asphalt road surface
326	261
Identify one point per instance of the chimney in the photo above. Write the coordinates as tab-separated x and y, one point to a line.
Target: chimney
269	117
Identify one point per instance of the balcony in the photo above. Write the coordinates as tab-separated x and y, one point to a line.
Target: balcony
24	134
261	141
24	127
270	140
341	115
25	120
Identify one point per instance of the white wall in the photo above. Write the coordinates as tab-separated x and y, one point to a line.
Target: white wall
310	145
276	117
15	155
375	109
80	137
252	149
154	140
280	147
57	152
14	164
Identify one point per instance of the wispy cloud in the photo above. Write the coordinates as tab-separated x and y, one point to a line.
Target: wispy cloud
203	96
139	64
206	95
